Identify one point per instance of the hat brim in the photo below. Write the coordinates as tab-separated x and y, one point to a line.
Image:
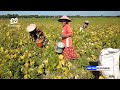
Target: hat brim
86	22
30	29
61	20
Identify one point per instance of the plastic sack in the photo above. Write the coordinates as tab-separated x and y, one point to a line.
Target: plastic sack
109	57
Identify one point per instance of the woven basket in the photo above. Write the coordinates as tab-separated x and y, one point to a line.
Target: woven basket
39	43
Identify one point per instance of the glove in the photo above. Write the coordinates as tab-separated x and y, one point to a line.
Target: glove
63	37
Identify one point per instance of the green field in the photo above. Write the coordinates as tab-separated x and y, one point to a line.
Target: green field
21	59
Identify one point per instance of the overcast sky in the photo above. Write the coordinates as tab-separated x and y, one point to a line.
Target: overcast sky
81	13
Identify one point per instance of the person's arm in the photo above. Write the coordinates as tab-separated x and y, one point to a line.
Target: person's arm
40	33
31	36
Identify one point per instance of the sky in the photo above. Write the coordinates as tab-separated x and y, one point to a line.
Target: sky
55	13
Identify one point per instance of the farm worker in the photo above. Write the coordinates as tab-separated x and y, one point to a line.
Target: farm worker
37	35
69	51
85	25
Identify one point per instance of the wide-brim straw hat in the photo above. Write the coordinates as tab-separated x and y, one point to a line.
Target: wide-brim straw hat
86	21
31	27
64	18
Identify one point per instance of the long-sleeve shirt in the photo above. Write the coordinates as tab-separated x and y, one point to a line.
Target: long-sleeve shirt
67	32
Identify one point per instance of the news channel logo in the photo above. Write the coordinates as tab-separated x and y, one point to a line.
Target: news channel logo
13	20
97	68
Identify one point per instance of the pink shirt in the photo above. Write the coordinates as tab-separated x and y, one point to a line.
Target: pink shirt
67	32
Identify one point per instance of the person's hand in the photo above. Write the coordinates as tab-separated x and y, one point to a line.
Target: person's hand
63	37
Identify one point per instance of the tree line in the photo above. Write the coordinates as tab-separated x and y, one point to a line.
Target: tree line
44	16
